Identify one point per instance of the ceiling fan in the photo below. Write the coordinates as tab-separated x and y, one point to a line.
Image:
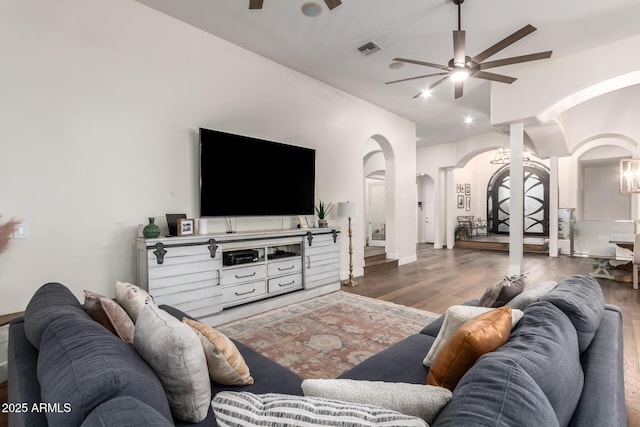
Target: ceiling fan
462	66
331	4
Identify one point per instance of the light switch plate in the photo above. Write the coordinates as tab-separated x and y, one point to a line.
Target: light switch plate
21	231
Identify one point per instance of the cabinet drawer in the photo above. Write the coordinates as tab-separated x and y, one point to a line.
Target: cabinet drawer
232	295
292	265
285	283
232	276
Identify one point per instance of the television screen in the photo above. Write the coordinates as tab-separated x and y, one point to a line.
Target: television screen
243	176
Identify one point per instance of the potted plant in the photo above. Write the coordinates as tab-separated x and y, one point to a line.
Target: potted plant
462	232
322	210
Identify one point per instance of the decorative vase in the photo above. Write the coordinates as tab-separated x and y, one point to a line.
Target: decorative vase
151	231
323	223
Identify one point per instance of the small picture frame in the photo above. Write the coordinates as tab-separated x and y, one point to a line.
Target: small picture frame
303	222
459	188
186	226
467	203
467	189
460	201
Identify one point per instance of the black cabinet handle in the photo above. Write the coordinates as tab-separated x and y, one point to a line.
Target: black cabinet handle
282	285
245	293
244	277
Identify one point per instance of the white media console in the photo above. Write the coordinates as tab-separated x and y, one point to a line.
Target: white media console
217	278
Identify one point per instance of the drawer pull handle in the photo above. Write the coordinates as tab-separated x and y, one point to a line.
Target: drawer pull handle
287	268
245	293
282	285
243	277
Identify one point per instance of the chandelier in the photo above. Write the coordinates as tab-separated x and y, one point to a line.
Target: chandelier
503	156
629	176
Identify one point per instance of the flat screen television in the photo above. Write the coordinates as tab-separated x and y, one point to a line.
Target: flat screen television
243	176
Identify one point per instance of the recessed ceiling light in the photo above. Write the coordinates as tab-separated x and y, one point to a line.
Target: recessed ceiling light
311	9
395	65
468	120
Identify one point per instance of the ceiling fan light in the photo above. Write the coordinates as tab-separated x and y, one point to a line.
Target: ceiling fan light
425	94
459	74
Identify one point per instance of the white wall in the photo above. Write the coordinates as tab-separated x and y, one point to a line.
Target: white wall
100	106
604	201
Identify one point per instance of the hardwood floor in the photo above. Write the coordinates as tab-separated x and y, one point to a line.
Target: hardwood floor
441	278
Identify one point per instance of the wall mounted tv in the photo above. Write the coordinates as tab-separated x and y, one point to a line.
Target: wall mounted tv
243	176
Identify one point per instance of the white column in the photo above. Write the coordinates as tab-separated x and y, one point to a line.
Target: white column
516	209
440	219
451	220
553	206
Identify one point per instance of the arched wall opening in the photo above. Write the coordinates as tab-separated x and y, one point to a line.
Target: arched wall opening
379	182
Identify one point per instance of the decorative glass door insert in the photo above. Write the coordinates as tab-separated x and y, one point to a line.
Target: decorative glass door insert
536	196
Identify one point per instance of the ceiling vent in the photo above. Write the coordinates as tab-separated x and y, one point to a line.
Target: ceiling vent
368	48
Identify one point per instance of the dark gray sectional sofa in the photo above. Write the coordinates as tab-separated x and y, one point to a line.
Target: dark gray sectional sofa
563	365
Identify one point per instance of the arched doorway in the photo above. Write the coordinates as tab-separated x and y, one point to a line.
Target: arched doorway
535	200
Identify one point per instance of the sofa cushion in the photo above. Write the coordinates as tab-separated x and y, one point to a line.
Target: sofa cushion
125	411
417	400
402	362
476	337
225	363
174	352
247	409
454	317
530	295
580	298
109	314
497	393
545	345
82	364
52	301
132	298
503	291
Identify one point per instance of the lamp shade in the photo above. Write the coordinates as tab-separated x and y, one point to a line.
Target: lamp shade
348	209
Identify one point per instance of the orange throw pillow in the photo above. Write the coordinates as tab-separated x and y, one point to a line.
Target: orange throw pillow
478	336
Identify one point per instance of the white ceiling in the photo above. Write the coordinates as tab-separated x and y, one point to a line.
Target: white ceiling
325	47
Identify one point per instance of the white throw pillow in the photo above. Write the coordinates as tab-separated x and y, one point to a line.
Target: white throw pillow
418	400
456	316
174	352
246	409
132	298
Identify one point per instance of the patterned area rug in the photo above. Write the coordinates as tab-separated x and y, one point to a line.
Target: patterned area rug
325	336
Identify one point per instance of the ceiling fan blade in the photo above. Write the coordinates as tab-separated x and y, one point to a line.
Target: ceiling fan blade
458	89
332	4
507	41
516	60
493	77
433	85
426	64
416	78
459	58
255	4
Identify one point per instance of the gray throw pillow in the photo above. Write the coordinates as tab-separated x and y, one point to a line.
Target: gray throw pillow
418	400
174	352
502	292
531	295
